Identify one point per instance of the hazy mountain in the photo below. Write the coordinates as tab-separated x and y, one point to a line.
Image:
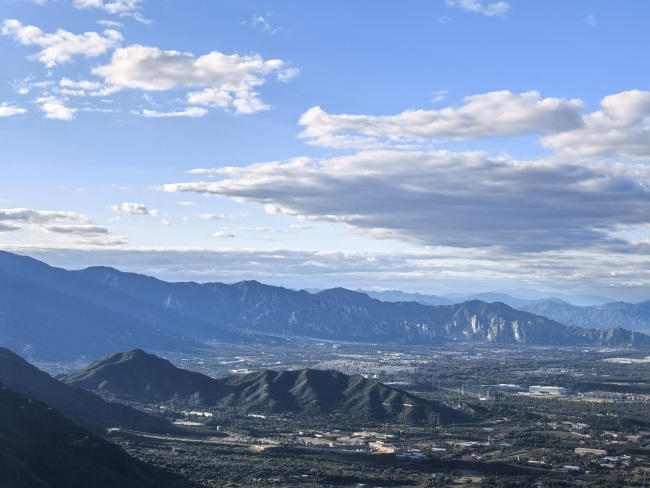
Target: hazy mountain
635	316
530	295
47	310
145	378
41	448
400	296
80	406
52	313
536	295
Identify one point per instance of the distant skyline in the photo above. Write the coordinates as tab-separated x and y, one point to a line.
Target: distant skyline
435	147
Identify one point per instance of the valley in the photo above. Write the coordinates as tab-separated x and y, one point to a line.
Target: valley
596	432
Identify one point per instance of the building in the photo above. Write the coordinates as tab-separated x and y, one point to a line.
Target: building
547	390
582	451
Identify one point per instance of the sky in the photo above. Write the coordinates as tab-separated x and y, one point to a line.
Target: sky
433	146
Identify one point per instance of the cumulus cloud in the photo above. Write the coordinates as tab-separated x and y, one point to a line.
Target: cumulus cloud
493	114
7	110
55	108
440	198
619	129
492	9
223	81
129	208
188	112
61	46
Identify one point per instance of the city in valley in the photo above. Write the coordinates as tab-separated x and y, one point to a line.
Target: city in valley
531	416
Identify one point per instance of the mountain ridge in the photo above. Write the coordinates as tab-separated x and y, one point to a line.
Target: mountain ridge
98	310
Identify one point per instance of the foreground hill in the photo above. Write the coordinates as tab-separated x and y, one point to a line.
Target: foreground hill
80	406
47	311
40	448
144	378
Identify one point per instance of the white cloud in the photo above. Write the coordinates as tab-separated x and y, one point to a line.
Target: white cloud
130	208
188	112
208	216
621	129
61	46
77	229
440	198
591	20
492	9
25	215
26	85
262	21
7	110
225	81
68	87
486	115
110	23
222	234
56	109
112	7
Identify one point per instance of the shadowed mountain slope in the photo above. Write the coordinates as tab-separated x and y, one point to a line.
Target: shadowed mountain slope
316	392
39	448
138	376
80	406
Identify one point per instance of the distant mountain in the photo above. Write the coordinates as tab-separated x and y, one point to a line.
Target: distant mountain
47	311
145	378
80	406
400	296
635	316
39	448
51	313
536	295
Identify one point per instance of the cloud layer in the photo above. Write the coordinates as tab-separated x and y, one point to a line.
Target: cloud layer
494	114
440	198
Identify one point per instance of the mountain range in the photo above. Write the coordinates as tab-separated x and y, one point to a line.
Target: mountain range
53	313
136	376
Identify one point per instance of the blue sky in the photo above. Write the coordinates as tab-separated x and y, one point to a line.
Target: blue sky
452	145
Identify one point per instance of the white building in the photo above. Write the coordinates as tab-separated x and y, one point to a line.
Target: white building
547	390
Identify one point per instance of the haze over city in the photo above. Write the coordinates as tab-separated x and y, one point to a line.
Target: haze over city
438	146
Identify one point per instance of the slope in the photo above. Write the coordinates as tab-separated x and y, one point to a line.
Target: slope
40	448
80	406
